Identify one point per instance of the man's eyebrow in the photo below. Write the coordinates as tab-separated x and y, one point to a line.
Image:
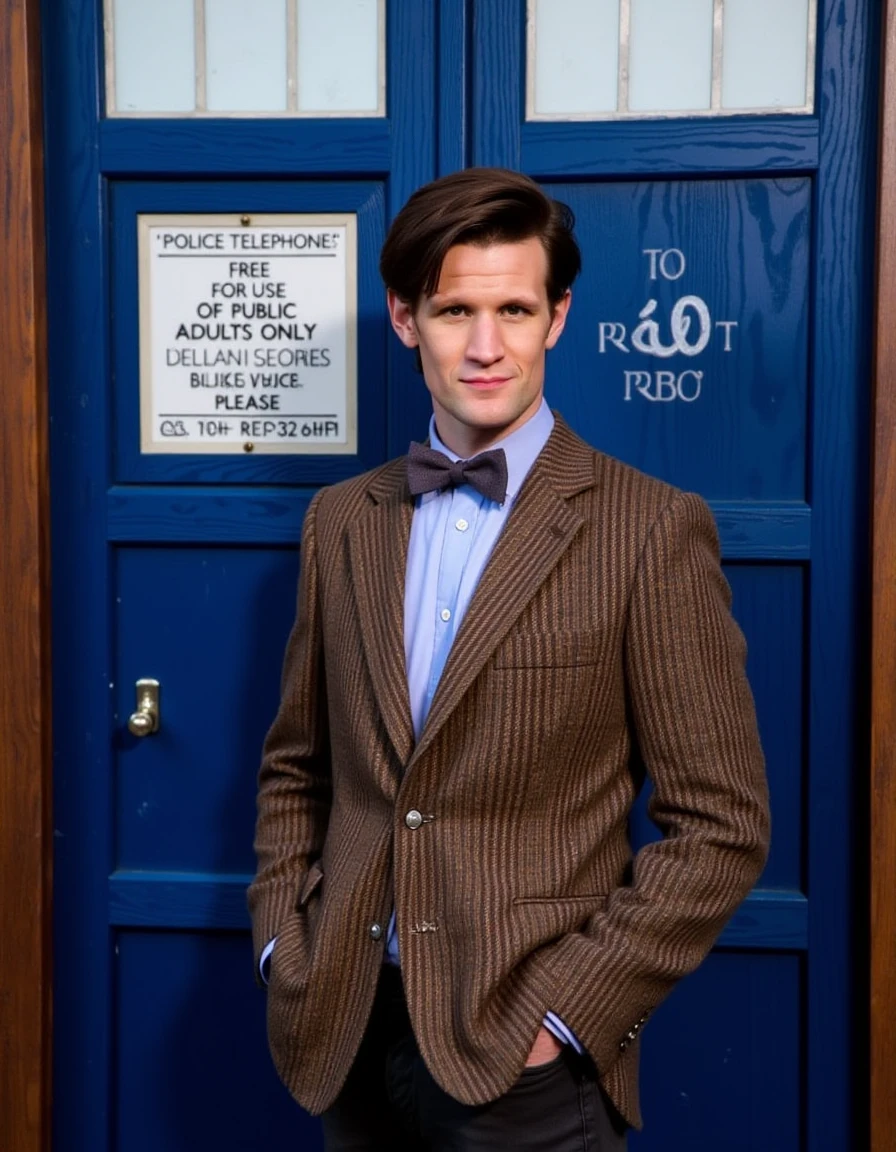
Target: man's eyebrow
453	298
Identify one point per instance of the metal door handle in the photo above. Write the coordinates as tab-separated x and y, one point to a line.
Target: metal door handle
146	720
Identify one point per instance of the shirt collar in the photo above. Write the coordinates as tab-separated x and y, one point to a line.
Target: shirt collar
521	447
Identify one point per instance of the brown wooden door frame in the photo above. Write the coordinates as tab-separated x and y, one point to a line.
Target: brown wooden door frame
883	633
25	745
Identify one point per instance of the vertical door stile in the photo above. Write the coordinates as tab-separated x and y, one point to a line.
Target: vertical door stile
77	303
838	625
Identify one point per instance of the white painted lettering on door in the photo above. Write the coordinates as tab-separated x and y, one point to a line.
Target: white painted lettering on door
688	331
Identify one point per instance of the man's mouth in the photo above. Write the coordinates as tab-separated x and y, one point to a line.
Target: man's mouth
485	381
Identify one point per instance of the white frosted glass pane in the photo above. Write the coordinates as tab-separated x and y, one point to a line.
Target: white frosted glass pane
338	56
764	53
245	55
155	63
670	64
576	56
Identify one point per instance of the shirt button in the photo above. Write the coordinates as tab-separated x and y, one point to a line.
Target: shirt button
376	931
413	819
462	525
445	614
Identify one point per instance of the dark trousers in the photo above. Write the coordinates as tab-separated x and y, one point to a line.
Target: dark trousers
390	1102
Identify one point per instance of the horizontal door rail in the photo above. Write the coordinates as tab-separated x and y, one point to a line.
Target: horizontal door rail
254	148
683	147
768	918
731	147
777	530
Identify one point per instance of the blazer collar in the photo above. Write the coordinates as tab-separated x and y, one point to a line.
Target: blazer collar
539	529
378	553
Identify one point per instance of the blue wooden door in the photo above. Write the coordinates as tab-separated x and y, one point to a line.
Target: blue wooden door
182	568
718	339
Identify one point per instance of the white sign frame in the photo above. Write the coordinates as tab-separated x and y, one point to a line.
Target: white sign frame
153	381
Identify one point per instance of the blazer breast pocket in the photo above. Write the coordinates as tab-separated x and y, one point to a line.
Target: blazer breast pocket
548	650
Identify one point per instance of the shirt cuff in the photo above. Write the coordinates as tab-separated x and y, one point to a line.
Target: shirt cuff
264	964
560	1032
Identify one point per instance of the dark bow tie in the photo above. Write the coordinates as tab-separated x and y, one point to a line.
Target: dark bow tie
432	471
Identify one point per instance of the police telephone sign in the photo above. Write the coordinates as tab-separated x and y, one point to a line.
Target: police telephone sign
248	334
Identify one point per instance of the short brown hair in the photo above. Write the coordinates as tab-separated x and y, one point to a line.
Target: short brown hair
476	206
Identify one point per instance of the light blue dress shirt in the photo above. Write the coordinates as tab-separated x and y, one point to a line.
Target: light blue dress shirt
453	533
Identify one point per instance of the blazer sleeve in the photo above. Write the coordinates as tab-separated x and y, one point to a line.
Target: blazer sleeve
694	722
294	789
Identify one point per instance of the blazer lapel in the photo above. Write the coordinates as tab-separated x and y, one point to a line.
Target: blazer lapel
539	529
378	550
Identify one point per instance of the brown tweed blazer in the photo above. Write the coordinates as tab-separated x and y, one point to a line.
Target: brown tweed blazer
599	638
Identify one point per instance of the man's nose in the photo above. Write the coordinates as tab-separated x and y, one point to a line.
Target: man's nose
485	345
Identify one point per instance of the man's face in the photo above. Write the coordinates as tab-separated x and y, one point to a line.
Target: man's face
482	338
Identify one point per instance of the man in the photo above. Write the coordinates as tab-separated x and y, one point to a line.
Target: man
487	650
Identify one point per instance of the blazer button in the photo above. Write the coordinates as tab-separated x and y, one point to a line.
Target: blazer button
413	819
376	931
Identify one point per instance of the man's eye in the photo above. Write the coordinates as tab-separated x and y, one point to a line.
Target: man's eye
454	310
515	310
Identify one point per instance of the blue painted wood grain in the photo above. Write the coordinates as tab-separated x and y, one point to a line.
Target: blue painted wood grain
770	605
738	428
849	50
78	302
722	1060
778	531
244	147
454	103
194	900
210	624
99	175
498	82
193	1071
413	104
726	146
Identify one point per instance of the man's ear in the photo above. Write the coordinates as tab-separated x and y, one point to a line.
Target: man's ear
402	316
558	319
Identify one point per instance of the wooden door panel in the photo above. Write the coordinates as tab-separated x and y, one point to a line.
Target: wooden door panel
210	624
723	1070
192	1069
720	406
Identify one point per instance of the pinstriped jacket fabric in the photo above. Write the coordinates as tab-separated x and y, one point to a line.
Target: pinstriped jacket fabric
598	640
